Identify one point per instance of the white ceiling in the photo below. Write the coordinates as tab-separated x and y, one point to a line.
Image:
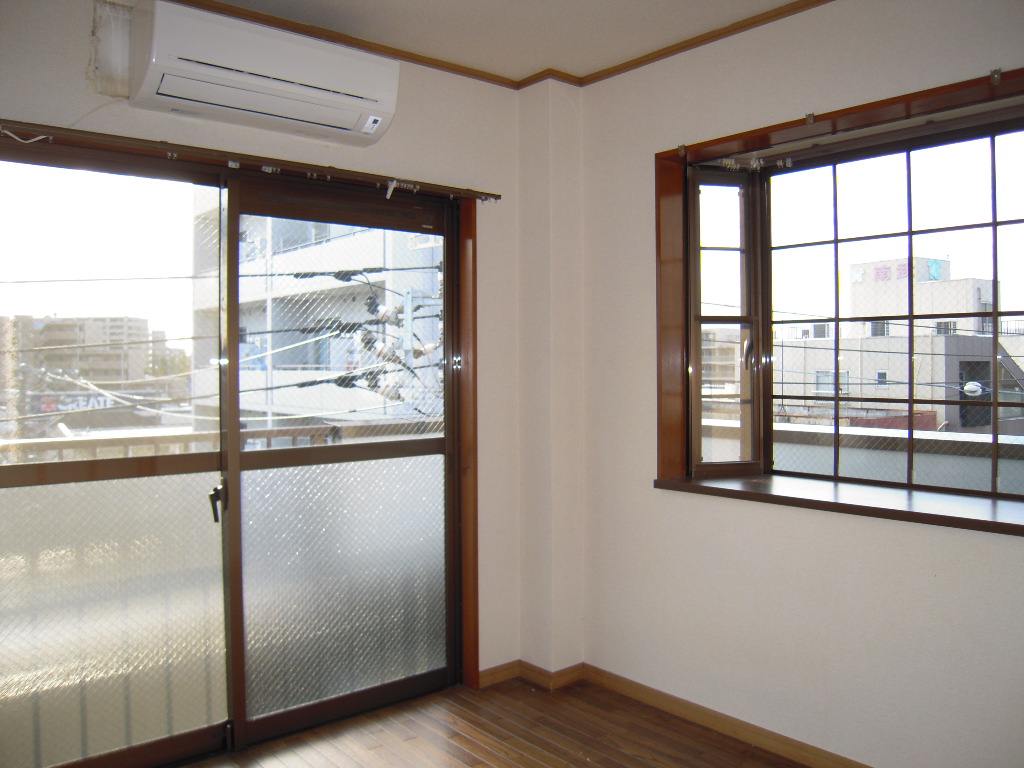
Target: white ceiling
518	38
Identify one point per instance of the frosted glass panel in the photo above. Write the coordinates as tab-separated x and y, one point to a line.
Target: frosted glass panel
344	578
111	616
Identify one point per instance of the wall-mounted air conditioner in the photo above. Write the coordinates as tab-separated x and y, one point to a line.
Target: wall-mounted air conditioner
197	63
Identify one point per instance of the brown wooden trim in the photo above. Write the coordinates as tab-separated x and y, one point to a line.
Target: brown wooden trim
334	454
231	447
532	674
167	160
468	447
947	97
811	756
549	74
943	507
670	217
50	473
172	749
499	674
759	20
752	22
551	681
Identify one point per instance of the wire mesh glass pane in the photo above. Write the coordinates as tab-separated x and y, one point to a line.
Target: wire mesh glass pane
1010	243
1011	450
801	207
877	363
804	283
953	271
102	342
344	578
111	616
803	358
341	333
873	440
1009	171
802	436
953	360
874	277
951	185
953	458
871	196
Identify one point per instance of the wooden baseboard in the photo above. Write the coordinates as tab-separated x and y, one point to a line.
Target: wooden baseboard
534	675
811	756
500	674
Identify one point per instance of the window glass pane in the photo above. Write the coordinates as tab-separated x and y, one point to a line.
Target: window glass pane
720	225
1010	240
112	617
721	283
951	458
952	361
798	354
871	196
341	334
803	436
1009	172
1011	450
873	277
873	441
803	282
953	271
951	184
801	207
109	334
726	380
877	363
1010	370
370	536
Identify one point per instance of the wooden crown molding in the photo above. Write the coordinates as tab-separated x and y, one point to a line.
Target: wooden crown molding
758	20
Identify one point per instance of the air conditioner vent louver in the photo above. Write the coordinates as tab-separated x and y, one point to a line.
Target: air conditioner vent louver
262	76
187	60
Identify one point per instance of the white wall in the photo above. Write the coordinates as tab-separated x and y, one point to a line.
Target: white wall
448	130
897	645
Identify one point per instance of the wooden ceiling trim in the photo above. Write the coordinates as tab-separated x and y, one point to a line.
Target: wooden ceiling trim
753	22
758	20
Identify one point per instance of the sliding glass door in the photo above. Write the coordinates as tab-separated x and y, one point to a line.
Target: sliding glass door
226	486
111	607
342	454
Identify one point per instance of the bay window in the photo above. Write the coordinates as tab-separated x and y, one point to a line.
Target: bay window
851	307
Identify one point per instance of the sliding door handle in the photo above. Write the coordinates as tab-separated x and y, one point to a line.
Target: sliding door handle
217	496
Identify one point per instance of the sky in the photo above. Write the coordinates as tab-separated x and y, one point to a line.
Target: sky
86	244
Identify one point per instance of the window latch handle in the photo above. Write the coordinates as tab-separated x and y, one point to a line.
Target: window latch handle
217	496
748	354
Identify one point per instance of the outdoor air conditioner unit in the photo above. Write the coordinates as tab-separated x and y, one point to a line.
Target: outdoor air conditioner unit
197	63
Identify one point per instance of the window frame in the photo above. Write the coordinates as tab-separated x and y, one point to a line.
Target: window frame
677	468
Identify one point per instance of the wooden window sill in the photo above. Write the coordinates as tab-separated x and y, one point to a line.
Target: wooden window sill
915	506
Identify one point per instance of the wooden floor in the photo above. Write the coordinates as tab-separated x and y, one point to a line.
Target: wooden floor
511	724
